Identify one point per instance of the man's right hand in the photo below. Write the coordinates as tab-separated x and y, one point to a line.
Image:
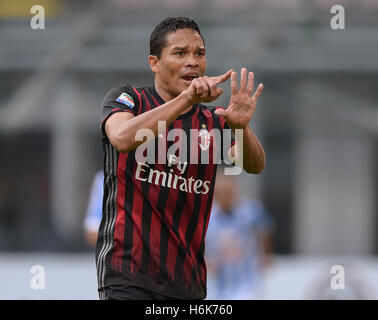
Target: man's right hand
204	89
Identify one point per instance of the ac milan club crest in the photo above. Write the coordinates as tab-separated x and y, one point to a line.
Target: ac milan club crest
204	138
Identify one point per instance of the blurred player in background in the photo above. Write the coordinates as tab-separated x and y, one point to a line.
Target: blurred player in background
93	214
151	240
238	243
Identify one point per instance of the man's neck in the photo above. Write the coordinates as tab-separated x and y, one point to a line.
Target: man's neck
167	97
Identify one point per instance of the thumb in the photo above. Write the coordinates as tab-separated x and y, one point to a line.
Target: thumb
221	112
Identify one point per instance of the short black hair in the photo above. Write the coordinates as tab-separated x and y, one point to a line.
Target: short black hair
158	39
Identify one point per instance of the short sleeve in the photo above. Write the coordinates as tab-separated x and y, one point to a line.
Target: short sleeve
120	99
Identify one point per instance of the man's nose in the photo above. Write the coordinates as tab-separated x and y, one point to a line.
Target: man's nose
191	61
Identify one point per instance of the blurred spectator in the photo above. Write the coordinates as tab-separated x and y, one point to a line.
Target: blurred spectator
238	245
94	210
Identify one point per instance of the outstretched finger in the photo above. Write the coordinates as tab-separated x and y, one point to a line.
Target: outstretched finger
251	80
234	83
243	79
258	92
222	78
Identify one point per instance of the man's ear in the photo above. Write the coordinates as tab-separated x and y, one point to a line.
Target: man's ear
153	61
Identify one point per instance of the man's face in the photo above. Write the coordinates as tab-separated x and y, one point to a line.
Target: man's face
181	60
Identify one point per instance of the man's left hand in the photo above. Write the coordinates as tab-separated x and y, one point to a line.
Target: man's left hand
242	106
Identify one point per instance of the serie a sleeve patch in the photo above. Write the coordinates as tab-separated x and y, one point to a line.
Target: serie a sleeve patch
126	99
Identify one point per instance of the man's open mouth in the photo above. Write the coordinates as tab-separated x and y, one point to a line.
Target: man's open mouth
189	78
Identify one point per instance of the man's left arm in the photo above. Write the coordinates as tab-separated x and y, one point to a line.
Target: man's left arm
247	150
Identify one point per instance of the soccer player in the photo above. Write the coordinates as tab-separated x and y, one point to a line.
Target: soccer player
93	214
238	243
151	239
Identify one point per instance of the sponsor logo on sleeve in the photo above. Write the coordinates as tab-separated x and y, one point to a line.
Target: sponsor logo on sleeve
126	99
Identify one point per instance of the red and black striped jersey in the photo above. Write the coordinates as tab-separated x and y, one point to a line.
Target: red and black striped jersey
156	213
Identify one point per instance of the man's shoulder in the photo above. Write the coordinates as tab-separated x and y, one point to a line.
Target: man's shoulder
128	91
114	92
126	87
137	91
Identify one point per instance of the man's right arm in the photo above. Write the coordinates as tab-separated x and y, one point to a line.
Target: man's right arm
121	127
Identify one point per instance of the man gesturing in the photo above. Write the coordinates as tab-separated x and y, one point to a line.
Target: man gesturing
151	239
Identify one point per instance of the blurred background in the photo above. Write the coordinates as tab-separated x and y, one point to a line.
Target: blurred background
317	120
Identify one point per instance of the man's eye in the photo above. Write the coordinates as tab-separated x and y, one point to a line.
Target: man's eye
200	54
180	53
